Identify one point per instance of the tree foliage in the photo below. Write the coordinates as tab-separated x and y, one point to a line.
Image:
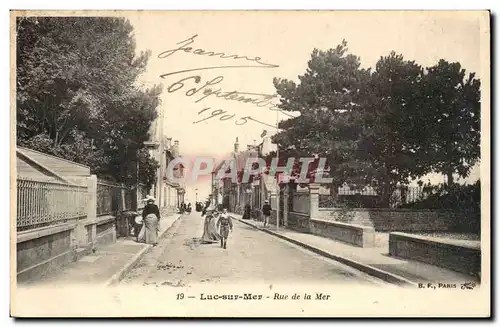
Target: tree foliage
328	99
453	103
381	127
77	95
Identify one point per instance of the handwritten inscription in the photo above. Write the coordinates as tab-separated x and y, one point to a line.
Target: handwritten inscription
264	101
184	47
204	90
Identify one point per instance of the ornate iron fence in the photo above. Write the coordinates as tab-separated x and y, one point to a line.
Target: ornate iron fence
43	203
369	198
109	198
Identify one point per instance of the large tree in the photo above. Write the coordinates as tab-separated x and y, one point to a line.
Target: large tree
393	136
77	95
327	97
453	111
382	127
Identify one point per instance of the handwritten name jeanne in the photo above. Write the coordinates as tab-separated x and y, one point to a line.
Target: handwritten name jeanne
184	47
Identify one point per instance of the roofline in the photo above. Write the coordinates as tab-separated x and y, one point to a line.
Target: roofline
43	168
52	156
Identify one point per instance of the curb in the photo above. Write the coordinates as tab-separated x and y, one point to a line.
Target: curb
372	271
116	278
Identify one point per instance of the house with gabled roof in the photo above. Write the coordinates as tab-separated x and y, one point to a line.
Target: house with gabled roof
235	194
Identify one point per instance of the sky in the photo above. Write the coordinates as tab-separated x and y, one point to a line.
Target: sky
283	39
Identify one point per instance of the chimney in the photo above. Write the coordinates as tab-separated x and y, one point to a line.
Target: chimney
236	146
169	142
176	148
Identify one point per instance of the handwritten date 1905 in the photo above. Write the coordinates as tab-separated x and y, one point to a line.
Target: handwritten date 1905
223	115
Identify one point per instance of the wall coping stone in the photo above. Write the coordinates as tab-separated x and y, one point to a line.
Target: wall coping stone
105	219
306	215
344	225
433	240
44	231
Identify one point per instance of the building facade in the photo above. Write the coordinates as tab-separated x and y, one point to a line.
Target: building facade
236	194
169	192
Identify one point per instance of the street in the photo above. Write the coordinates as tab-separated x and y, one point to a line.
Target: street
252	256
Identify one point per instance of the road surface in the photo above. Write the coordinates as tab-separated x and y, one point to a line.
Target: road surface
252	256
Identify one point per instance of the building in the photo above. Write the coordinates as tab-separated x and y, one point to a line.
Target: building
32	164
173	190
168	193
236	194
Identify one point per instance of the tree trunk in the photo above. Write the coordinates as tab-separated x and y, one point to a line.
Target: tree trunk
386	189
334	190
449	176
386	195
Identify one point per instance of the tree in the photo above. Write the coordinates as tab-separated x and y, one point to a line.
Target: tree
453	110
148	167
77	92
375	128
393	138
327	98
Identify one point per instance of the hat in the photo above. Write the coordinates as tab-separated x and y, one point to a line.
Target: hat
149	198
138	219
266	201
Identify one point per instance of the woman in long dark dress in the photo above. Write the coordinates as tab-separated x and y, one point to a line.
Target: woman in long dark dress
150	222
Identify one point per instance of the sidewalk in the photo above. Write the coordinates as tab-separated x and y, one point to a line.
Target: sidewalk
109	263
373	261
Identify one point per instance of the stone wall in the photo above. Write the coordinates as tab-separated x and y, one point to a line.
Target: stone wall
106	230
361	236
300	202
389	220
42	249
451	255
298	221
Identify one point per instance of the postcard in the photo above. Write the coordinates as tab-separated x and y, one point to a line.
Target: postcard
250	164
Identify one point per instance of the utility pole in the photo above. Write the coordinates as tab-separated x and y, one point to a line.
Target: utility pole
277	180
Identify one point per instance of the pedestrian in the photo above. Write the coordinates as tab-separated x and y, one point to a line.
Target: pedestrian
226	225
266	211
247	212
150	222
210	233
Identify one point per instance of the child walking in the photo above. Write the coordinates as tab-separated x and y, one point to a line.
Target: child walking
226	225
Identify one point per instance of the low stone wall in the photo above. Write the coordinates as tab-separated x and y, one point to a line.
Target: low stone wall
106	230
43	249
361	236
392	220
462	258
298	221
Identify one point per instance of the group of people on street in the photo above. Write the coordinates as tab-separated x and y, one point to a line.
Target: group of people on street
217	226
185	208
266	212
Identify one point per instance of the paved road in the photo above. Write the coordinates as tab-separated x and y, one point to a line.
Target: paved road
251	256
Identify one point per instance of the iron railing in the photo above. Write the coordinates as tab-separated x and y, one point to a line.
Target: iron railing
109	198
369	198
43	203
